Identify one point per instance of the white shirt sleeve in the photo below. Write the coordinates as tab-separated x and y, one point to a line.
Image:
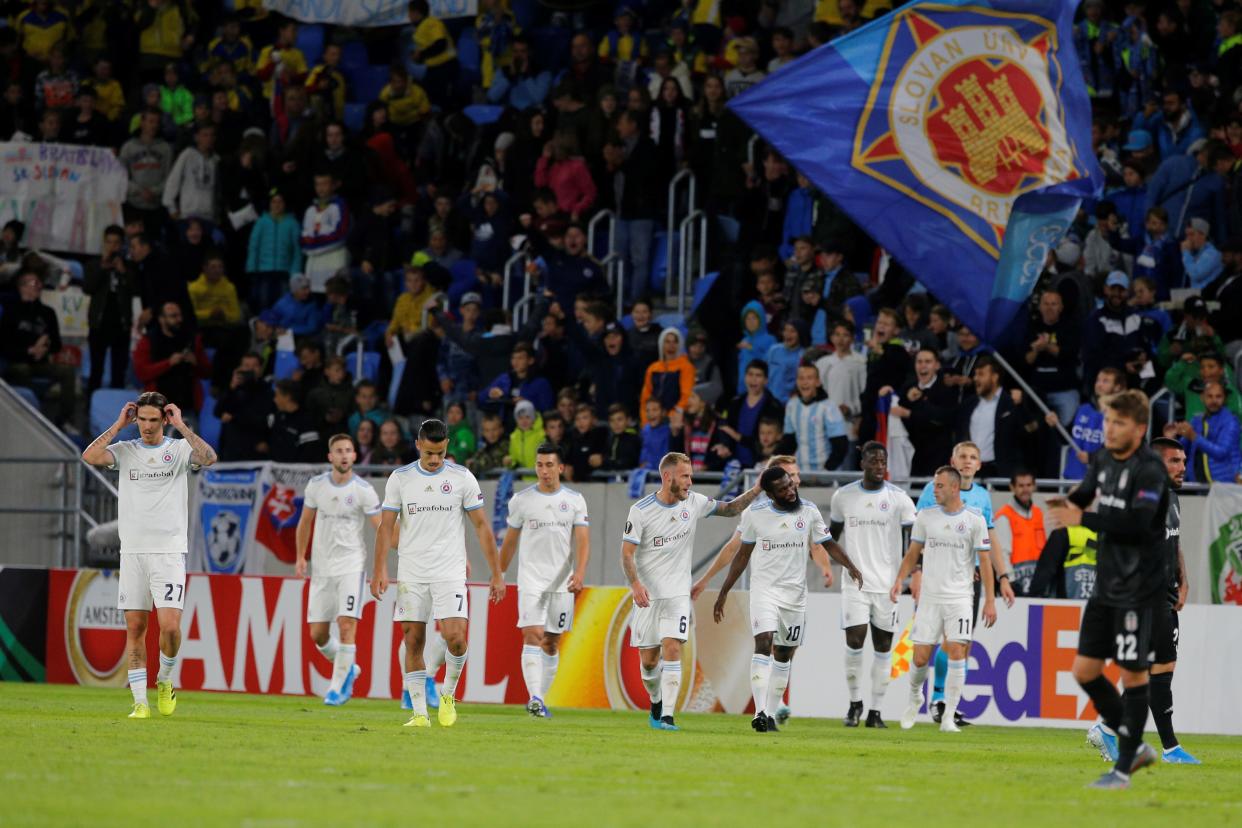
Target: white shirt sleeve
309	500
580	513
117	450
835	507
983	543
471	494
819	530
633	527
184	454
907	510
515	519
706	506
919	533
746	528
368	498
392	494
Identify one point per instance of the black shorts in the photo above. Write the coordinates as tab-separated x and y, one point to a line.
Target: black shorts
1120	634
1164	634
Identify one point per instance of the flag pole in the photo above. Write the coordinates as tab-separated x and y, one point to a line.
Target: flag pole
1065	435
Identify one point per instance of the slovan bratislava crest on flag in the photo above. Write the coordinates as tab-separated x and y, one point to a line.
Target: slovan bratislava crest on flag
957	135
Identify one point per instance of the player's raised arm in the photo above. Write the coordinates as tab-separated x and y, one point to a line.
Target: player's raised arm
582	551
734	507
303	536
508	547
201	453
383	542
97	454
907	566
487	540
630	568
740	561
723	558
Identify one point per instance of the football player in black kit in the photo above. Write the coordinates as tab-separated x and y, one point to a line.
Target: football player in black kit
1130	485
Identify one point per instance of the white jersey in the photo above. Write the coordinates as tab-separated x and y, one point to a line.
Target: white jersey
431	512
782	547
950	541
873	520
154	506
545	545
664	536
341	512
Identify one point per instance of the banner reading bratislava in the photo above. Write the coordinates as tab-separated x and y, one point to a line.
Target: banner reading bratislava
247	634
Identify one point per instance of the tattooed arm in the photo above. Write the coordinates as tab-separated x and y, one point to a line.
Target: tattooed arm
734	507
201	454
97	454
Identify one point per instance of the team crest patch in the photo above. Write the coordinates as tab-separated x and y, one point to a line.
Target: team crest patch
960	528
883	505
964	115
1131	621
564	507
446	487
349	500
685	514
800	524
168	458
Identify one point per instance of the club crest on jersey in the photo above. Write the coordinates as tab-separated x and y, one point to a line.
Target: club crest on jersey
167	458
1131	621
349	500
1125	477
800	524
960	528
564	507
685	514
446	487
964	117
883	505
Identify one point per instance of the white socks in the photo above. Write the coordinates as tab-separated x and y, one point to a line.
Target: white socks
167	663
456	663
434	650
328	650
760	667
416	686
953	685
670	684
532	670
918	675
776	685
853	673
342	664
651	680
138	685
881	671
550	663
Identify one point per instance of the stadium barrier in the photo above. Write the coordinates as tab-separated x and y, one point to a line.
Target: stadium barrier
247	634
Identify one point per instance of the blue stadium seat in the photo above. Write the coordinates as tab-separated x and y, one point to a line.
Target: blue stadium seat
286	364
311	41
365	84
730	228
860	306
672	320
370	365
209	424
106	403
701	289
353	56
469	55
483	114
659	259
27	395
355	117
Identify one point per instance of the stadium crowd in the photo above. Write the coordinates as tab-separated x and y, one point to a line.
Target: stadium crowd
295	190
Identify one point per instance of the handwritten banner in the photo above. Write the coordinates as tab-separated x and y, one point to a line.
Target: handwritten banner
72	307
366	12
66	195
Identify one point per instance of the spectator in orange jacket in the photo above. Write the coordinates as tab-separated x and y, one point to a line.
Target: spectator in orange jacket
170	359
670	379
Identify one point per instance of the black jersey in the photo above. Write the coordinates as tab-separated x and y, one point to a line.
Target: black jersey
1172	542
1131	568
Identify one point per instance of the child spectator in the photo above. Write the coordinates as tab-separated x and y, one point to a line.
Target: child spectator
176	100
624	47
554	430
340	319
783	359
494	450
281	60
655	435
406	101
296	311
109	94
407	314
1143	298
56	87
670	379
496	29
815	423
767	442
366	406
520	383
527	434
433	49
326	84
325	227
644	336
461	434
755	343
273	252
328	403
624	446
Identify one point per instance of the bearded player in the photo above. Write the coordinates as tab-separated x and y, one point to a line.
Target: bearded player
153	518
656	552
785	529
336	507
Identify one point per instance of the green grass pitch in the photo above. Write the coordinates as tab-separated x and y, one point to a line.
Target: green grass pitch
68	756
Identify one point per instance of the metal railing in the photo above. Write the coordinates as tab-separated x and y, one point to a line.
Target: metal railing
506	274
693	228
1151	410
669	239
612	231
614	272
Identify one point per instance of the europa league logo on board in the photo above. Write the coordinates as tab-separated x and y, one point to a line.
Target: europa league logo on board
623	679
95	630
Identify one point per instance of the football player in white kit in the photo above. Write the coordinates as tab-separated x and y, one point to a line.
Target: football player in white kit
431	498
549	532
656	552
337	504
869	517
153	518
948	536
784	528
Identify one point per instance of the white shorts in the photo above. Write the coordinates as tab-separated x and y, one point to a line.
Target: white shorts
333	596
554	611
422	601
951	620
874	608
786	623
146	577
664	618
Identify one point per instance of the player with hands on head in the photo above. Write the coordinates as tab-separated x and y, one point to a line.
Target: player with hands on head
656	551
432	498
153	519
783	528
947	536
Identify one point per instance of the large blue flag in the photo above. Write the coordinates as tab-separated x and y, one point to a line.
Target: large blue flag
956	134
